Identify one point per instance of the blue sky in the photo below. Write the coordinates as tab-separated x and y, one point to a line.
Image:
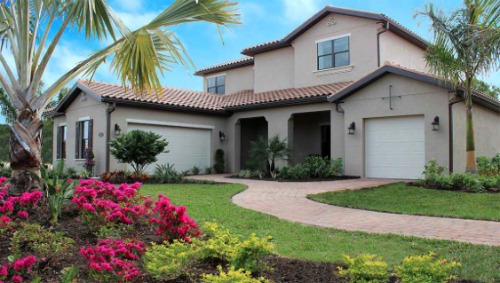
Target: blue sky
263	20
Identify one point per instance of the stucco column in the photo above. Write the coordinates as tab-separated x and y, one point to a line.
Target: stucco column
277	124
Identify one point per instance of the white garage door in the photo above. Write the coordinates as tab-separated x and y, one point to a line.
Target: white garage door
188	146
395	147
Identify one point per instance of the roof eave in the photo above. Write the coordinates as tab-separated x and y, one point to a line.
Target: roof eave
280	103
213	70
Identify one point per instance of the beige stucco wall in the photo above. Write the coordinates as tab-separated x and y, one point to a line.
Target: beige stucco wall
417	98
395	49
236	79
486	133
278	123
82	107
274	70
184	119
362	46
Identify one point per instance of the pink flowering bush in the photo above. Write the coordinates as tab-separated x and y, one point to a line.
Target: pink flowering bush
114	260
14	271
173	222
105	204
16	205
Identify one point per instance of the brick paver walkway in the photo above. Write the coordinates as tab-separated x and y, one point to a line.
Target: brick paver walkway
288	200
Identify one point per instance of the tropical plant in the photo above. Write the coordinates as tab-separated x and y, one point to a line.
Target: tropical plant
31	30
138	148
466	44
269	150
56	194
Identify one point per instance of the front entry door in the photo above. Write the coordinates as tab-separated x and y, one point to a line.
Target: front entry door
325	141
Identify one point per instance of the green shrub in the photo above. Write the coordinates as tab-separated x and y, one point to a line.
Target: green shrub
467	182
84	174
71	173
432	168
337	167
232	276
484	165
69	274
317	166
441	181
221	243
495	162
219	165
41	241
245	174
426	269
249	253
195	170
208	170
365	268
170	260
165	173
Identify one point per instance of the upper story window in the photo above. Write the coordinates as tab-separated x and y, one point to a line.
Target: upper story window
333	53
62	135
216	84
83	137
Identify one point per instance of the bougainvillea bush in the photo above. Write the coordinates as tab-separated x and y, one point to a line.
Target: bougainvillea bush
15	206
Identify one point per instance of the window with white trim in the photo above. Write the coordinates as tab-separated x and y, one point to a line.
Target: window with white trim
333	53
216	84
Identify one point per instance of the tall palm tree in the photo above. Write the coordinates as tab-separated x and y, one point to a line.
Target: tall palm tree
32	29
466	44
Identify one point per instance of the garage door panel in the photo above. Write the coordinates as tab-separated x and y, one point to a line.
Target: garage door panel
188	147
395	147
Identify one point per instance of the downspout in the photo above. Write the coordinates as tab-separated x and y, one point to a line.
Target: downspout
109	110
455	100
378	42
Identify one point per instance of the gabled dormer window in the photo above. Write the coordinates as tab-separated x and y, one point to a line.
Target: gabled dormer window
333	53
216	84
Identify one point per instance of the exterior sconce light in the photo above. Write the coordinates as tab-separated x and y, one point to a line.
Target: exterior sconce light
435	124
118	130
351	128
222	136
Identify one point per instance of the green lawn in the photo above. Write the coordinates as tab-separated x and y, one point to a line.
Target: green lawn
400	198
212	203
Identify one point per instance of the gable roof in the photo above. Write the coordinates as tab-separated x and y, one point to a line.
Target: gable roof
245	61
390	24
477	96
196	101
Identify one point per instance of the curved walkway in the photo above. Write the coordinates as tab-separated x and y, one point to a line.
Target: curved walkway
288	200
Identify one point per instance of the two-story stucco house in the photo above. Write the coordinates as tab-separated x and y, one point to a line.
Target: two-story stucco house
345	83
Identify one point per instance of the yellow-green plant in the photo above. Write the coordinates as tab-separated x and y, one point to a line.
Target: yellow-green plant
365	268
170	260
426	269
221	243
249	253
232	276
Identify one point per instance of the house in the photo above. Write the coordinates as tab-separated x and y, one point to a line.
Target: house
345	83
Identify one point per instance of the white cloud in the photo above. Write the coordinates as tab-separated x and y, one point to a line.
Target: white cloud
136	20
299	10
128	5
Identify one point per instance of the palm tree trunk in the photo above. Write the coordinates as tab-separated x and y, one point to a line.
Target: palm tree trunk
470	155
25	151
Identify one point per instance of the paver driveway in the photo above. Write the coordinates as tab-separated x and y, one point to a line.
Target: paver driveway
288	200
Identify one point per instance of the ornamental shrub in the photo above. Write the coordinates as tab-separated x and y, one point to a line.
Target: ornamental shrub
171	260
15	271
219	164
337	167
44	243
220	244
426	269
318	167
114	260
249	253
365	268
166	173
16	205
245	174
172	221
231	276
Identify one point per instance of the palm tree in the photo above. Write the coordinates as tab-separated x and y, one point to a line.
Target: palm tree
269	150
466	44
32	29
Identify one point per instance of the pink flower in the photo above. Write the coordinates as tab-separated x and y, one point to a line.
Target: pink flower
22	214
16	279
4	269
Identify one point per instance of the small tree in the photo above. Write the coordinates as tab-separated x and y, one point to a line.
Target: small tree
269	150
219	165
138	148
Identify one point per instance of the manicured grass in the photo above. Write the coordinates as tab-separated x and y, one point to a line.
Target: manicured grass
400	198
212	203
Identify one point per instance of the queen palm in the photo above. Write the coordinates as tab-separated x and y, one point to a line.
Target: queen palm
466	44
32	29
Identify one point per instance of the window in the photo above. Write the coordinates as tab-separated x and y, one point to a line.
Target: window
62	135
83	138
216	84
333	53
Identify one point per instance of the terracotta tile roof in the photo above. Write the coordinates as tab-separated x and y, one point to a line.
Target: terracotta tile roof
248	97
245	61
169	96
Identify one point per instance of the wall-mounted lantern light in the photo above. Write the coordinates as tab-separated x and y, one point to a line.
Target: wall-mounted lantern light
351	128
222	136
435	124
118	130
